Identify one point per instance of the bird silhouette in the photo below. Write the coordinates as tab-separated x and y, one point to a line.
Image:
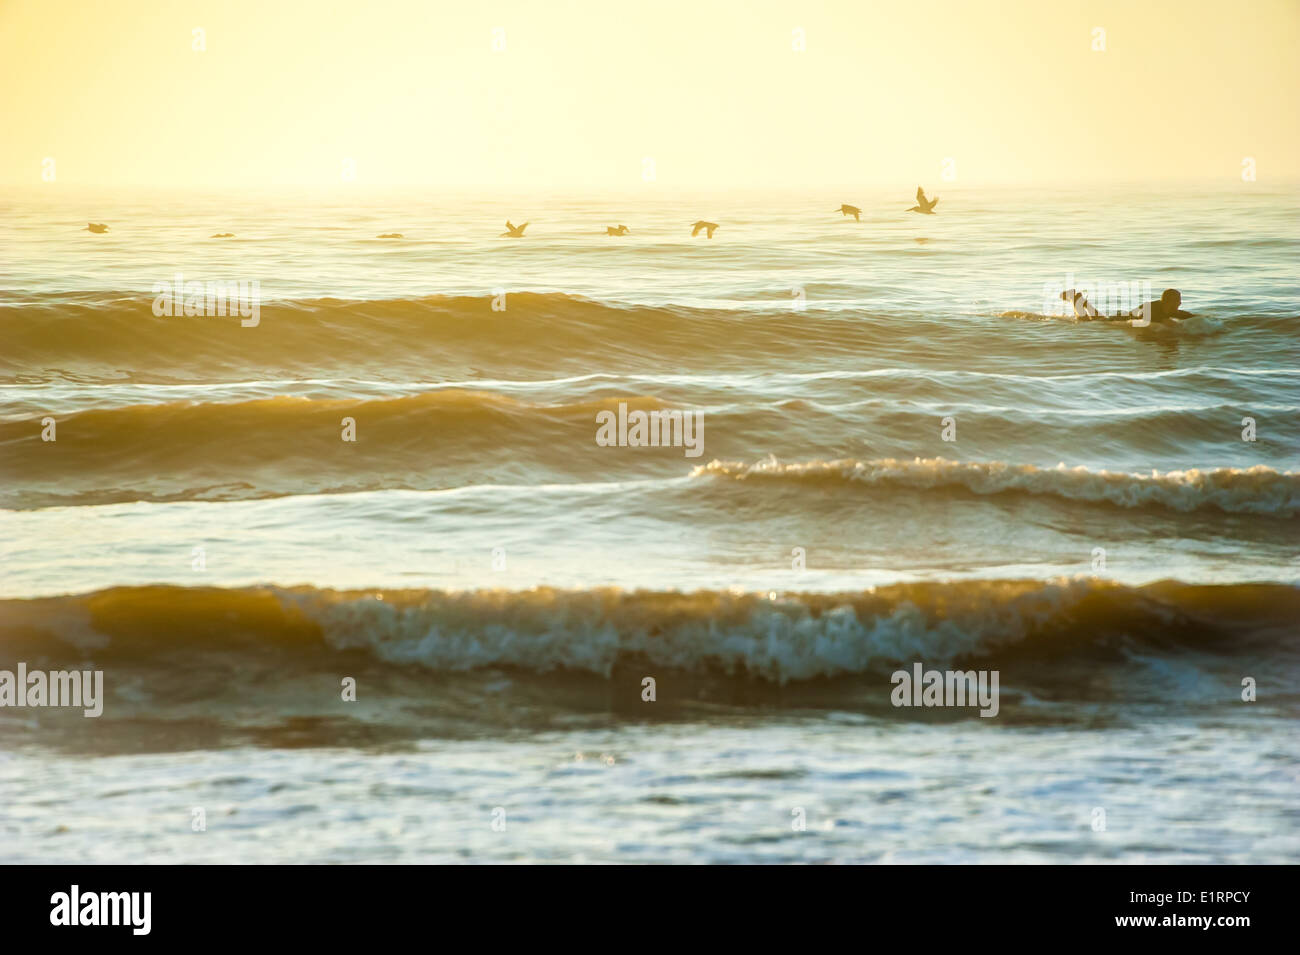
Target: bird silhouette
710	226
392	235
96	227
923	205
513	231
854	211
222	235
621	230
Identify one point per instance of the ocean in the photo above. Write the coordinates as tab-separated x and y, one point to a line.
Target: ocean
365	583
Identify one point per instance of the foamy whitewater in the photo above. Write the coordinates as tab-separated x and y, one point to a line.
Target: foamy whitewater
909	455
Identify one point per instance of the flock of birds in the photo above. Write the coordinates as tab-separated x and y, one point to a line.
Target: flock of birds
923	205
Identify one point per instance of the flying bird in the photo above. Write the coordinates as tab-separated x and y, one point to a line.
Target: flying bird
710	226
854	211
924	205
392	235
621	230
513	231
222	235
96	227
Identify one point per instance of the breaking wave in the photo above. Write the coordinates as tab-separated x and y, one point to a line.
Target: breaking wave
1254	490
772	637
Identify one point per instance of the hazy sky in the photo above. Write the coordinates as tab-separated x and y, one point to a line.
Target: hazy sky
412	91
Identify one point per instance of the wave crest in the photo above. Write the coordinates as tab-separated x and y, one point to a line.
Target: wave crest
1254	490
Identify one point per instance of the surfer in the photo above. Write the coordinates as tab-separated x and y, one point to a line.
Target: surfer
1160	311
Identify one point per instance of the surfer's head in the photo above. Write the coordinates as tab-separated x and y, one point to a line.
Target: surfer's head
1171	298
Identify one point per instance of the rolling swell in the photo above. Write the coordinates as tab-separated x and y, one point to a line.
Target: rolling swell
452	437
124	335
275	446
113	336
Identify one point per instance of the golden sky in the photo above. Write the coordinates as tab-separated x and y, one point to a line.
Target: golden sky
412	92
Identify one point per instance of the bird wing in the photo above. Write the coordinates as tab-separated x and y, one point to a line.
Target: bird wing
856	215
711	228
510	226
934	202
698	226
522	228
920	195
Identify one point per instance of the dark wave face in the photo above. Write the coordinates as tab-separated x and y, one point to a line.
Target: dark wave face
241	665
